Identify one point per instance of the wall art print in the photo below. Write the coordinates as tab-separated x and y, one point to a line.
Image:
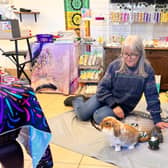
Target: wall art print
73	13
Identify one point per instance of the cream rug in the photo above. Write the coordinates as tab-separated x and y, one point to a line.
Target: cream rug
82	137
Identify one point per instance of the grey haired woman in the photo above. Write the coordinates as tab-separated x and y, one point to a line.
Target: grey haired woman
122	86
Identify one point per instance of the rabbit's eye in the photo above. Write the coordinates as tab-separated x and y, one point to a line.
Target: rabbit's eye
107	124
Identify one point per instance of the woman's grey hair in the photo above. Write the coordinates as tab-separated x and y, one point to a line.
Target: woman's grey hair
136	44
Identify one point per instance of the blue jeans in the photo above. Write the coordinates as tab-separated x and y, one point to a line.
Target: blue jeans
91	108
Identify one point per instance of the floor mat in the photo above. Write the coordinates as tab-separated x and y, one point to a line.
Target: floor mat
82	137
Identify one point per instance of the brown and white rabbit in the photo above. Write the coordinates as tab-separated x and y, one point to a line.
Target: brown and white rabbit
119	134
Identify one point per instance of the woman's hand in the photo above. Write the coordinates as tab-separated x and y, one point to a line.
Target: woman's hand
162	125
118	111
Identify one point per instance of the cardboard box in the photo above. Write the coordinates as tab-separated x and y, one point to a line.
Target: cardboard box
9	29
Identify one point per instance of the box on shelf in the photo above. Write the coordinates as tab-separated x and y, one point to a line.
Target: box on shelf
9	28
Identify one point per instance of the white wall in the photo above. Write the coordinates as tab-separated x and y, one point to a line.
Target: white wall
99	28
51	19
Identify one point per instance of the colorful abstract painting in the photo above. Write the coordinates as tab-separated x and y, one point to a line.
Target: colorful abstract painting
73	13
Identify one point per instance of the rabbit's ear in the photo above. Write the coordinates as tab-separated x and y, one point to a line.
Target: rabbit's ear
117	130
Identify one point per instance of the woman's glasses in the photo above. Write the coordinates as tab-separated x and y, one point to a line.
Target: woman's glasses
132	55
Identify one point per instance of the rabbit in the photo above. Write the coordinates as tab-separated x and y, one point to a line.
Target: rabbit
119	134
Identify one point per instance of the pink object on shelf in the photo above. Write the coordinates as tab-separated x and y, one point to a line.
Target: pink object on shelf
99	18
166	38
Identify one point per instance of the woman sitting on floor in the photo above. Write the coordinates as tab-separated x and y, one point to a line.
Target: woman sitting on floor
121	88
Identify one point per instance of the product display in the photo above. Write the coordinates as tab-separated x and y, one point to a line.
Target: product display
90	66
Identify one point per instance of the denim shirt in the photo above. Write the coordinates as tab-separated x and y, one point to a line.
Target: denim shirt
125	89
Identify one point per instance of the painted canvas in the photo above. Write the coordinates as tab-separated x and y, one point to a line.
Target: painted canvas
73	13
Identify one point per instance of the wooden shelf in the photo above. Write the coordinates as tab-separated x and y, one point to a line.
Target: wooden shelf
94	67
146	48
89	95
27	13
88	81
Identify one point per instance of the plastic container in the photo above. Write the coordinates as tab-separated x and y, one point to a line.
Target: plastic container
44	38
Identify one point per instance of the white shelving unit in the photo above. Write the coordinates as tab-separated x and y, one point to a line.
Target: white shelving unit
142	20
90	67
